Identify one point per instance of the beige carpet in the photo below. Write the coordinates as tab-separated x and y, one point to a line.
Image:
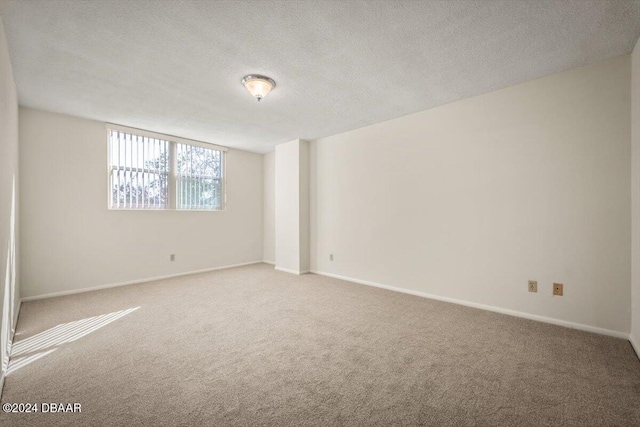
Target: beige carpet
252	346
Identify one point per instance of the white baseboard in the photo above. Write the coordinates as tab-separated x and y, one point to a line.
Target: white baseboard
635	345
514	313
269	262
132	282
286	270
15	321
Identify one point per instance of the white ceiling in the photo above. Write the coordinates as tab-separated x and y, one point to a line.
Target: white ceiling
175	66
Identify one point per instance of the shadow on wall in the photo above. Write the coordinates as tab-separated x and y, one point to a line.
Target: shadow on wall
8	303
38	346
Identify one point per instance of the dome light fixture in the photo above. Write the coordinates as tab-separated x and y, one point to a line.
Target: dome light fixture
259	86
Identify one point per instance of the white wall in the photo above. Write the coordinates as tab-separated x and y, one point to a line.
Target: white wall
9	277
269	227
635	198
304	200
70	240
470	200
292	206
287	206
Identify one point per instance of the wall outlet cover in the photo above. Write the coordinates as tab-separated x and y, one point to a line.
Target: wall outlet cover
532	286
557	289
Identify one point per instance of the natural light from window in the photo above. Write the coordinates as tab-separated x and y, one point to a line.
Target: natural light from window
28	350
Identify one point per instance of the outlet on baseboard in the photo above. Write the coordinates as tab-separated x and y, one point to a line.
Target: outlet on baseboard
330	257
172	257
533	285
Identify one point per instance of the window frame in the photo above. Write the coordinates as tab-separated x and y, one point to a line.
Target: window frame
172	176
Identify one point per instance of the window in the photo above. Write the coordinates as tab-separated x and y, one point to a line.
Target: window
139	171
151	171
199	175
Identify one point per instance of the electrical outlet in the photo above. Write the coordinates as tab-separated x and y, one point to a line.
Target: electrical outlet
172	257
533	286
330	257
557	289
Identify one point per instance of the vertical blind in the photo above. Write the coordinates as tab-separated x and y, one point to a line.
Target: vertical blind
199	175
139	171
141	174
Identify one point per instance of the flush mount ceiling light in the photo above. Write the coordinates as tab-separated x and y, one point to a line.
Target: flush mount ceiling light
259	86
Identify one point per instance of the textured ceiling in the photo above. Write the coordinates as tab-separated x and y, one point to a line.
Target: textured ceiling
175	66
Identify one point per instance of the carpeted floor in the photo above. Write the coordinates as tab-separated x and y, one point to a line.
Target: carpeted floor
253	346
